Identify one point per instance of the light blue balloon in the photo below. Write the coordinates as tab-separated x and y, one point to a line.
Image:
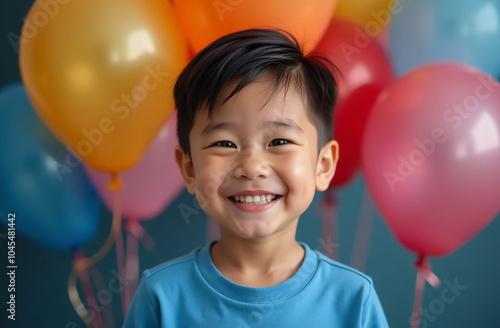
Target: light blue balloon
53	201
467	31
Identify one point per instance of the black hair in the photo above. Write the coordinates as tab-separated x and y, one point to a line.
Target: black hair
246	56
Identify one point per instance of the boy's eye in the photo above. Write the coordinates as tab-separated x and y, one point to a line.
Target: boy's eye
224	143
278	142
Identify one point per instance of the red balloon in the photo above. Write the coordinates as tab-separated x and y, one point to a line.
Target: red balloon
431	154
365	70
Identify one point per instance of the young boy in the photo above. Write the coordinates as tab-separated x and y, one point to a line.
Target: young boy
255	130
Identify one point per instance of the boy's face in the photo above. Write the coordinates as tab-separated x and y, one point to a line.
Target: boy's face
255	168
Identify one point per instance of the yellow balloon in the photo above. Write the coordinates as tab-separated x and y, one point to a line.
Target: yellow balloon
363	12
100	74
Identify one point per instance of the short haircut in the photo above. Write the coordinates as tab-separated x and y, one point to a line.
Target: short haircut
246	56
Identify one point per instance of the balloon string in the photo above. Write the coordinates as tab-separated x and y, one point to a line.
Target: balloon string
84	263
95	319
75	300
96	276
140	233
329	235
363	233
120	258
134	232
418	299
424	274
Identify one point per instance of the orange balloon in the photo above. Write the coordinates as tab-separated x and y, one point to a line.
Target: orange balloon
363	12
100	74
204	21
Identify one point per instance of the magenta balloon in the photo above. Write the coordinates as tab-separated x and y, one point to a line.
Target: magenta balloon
152	184
431	156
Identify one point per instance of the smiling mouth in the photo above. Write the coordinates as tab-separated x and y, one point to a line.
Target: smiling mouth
254	200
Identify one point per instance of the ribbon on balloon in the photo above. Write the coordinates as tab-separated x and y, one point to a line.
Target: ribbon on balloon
329	224
82	264
135	233
424	274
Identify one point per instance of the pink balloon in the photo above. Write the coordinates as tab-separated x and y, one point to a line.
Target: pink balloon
149	186
431	156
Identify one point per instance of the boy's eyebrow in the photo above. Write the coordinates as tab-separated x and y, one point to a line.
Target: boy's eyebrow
211	127
286	123
278	123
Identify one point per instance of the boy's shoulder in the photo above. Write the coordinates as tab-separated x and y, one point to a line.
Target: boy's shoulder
337	271
174	266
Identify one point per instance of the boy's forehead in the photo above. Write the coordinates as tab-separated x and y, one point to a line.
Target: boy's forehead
263	91
265	84
256	105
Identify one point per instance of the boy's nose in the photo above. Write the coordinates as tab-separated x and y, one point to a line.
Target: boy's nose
251	166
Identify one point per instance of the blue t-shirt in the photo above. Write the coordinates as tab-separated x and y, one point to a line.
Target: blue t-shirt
190	292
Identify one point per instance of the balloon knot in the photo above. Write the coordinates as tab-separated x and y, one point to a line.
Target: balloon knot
115	184
134	228
425	268
421	263
80	263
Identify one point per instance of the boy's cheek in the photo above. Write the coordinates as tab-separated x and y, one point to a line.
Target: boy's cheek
215	171
207	184
202	201
297	167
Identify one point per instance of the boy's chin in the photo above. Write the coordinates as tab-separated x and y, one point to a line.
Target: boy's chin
249	235
258	233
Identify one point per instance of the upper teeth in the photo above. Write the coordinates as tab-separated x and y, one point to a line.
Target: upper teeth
254	200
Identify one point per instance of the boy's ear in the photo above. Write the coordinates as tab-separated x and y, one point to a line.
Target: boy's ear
185	165
327	162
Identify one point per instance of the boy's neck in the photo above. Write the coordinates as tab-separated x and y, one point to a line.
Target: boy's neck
257	262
